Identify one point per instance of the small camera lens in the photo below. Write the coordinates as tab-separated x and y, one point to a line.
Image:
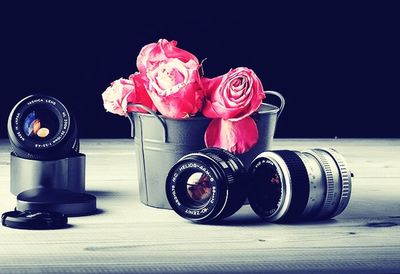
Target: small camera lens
293	186
207	185
41	128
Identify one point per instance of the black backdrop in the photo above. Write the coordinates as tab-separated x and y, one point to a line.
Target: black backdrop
336	63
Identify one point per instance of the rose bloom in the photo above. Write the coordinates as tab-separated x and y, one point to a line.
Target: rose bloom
230	100
173	80
124	91
234	95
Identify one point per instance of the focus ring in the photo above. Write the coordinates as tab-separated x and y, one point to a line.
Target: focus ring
345	176
235	179
299	183
226	170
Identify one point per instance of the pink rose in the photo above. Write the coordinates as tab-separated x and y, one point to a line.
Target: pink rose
231	99
173	80
234	95
152	54
124	91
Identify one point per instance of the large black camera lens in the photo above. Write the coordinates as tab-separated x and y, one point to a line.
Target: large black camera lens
41	128
293	186
206	186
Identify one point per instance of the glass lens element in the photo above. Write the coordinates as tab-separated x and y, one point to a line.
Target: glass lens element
40	124
267	188
198	188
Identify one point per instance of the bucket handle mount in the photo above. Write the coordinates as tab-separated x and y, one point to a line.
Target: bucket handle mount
152	113
281	99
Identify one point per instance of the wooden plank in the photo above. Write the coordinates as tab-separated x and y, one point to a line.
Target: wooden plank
128	237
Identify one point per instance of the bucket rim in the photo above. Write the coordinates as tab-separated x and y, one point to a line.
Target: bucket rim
270	109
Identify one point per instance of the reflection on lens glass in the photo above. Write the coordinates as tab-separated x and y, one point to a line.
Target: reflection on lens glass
40	124
43	132
198	187
31	124
268	188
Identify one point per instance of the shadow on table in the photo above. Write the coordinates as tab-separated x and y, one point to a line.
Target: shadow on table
256	221
103	194
246	217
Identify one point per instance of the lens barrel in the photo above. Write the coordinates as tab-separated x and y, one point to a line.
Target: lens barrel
41	128
288	186
207	185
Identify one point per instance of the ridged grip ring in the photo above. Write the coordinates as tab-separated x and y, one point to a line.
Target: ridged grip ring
345	176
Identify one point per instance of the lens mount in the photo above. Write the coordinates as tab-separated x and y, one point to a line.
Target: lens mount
206	186
41	128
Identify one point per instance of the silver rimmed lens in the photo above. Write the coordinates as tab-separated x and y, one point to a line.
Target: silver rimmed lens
206	186
41	128
291	185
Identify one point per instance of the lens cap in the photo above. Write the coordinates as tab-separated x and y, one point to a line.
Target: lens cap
34	220
56	200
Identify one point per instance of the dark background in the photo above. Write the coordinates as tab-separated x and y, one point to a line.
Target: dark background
336	63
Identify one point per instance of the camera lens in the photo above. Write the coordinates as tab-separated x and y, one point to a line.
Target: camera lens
41	128
207	185
293	186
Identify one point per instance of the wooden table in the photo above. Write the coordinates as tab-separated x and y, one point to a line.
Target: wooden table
128	237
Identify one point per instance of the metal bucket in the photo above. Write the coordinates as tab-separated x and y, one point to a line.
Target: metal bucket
160	142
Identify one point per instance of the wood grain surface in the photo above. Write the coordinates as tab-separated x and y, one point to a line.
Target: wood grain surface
128	237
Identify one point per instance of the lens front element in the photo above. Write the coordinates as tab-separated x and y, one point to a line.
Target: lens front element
40	124
198	188
268	187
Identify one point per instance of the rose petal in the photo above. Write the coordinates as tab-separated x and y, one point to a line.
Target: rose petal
187	102
115	96
142	58
235	136
154	53
172	51
140	95
210	85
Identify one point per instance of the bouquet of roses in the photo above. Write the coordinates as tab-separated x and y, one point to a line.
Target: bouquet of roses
169	81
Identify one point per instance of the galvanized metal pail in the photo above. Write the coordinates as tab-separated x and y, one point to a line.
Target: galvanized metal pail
160	142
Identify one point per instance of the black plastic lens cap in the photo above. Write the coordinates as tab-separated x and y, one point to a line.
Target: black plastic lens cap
34	220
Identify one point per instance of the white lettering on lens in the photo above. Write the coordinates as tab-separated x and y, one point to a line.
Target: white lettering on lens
50	102
20	136
174	195
192	212
214	191
197	166
35	101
